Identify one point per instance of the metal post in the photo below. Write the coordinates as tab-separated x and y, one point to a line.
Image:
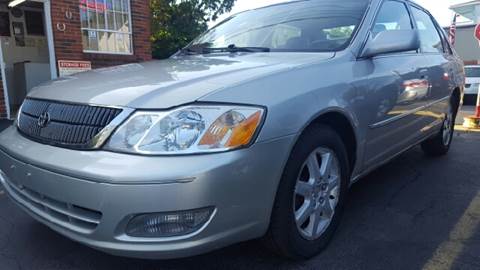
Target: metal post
477	109
50	39
4	81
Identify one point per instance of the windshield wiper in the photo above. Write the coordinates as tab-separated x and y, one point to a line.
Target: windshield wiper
234	49
201	49
195	49
190	51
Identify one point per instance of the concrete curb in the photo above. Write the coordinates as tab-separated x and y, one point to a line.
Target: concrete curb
471	122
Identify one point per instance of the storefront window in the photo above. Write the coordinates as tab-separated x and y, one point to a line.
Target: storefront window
106	26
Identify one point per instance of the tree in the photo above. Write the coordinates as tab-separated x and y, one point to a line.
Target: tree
343	32
177	22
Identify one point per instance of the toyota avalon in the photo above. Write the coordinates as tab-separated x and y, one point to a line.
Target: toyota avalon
256	129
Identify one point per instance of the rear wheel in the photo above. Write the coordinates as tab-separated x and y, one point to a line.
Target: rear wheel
440	144
311	195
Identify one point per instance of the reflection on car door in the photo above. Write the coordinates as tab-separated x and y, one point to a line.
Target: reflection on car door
396	95
398	89
439	59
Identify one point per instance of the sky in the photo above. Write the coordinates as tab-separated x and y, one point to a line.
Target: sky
439	8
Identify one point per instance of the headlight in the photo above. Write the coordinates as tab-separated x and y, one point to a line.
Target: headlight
188	130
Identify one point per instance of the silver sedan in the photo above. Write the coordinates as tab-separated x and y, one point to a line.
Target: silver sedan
255	130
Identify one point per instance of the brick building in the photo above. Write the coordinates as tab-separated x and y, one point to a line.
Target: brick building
43	39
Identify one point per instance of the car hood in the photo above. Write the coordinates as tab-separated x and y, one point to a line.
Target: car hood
172	82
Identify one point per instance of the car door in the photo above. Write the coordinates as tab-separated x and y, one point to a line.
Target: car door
440	67
397	89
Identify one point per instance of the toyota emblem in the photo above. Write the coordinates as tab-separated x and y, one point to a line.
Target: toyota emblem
43	120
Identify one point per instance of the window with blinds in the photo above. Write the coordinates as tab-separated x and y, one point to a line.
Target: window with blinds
106	26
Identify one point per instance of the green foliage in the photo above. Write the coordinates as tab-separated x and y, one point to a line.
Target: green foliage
177	22
343	32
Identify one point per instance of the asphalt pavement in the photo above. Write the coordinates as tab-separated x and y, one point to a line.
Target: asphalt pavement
414	213
4	124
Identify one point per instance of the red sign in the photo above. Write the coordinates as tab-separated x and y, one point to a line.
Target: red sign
67	67
74	64
477	32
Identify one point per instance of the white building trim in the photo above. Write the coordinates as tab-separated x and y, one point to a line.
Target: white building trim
50	41
469	9
4	82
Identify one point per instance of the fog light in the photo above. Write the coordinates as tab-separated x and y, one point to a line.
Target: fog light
169	224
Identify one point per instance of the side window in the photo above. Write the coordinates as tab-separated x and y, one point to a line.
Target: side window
429	37
446	43
392	16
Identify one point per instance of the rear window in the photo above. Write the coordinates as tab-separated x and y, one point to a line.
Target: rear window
472	72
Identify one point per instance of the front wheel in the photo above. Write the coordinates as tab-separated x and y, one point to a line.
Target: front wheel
440	144
311	195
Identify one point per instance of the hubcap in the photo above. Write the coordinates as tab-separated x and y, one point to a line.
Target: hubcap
316	193
448	128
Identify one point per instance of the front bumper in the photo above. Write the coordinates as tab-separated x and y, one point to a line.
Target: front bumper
90	196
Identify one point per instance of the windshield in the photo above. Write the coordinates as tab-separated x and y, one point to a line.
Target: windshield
318	26
472	72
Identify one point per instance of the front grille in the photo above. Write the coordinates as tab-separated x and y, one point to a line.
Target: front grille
62	124
75	217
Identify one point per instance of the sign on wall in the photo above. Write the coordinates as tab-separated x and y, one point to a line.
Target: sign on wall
68	67
19	33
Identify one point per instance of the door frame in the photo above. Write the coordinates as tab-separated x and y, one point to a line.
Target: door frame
51	53
4	82
50	41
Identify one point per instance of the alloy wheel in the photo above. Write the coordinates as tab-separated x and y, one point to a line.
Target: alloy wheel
316	193
447	132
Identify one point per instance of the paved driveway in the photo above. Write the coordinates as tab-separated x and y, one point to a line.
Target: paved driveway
4	124
414	213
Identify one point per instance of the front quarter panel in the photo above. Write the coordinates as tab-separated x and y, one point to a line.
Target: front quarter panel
296	97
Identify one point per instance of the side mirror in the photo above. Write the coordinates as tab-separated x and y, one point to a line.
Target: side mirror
392	41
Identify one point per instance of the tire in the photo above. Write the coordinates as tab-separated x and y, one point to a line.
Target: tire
285	237
439	145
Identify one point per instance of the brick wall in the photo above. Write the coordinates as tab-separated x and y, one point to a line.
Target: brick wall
68	43
3	108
